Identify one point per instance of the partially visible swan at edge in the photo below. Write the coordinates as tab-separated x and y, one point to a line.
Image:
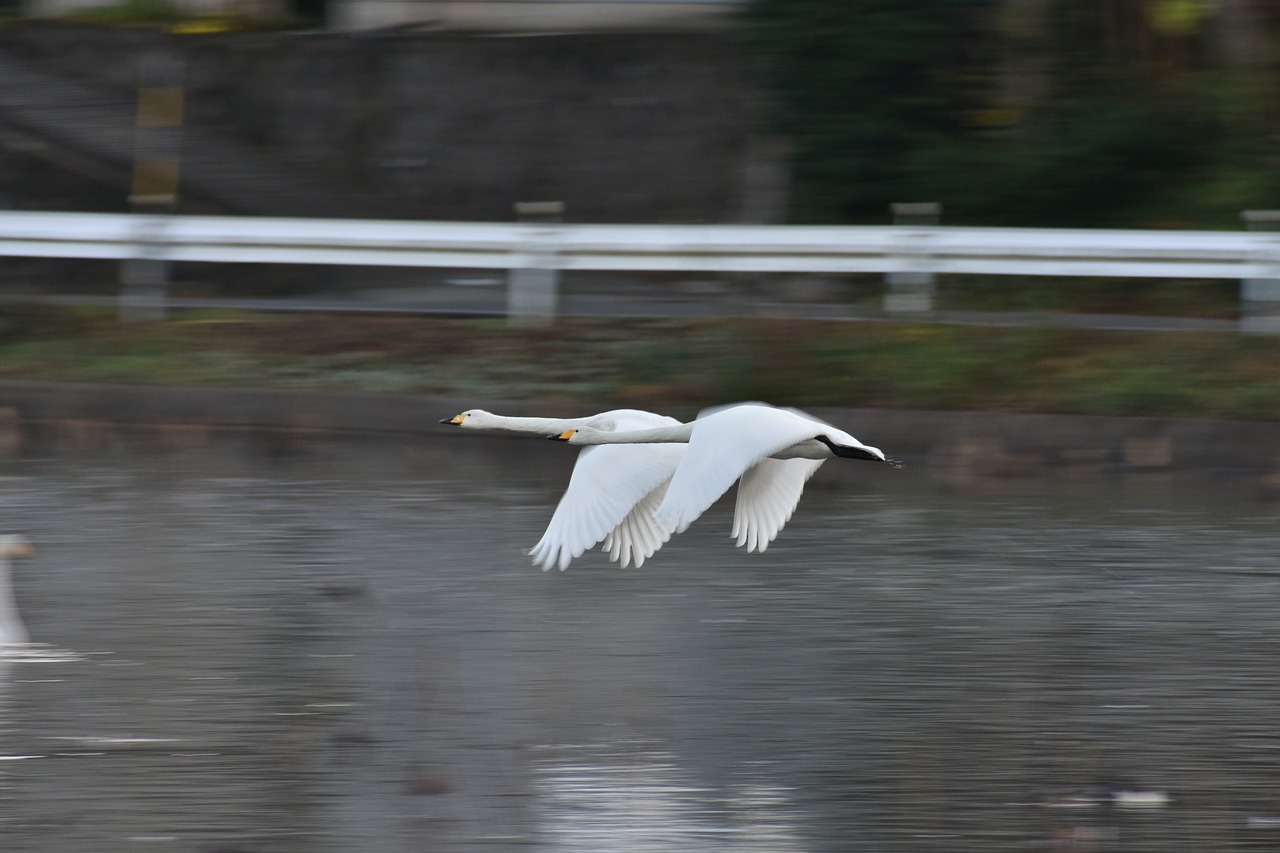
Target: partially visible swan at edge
612	492
773	452
12	631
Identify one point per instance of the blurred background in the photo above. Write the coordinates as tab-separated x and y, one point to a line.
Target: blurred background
274	607
1027	112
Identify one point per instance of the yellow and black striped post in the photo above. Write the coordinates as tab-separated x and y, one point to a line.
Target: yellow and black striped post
157	160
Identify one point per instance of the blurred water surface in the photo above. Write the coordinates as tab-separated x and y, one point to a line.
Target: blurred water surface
344	649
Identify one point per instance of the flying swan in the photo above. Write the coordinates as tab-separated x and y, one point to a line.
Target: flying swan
612	493
772	451
12	631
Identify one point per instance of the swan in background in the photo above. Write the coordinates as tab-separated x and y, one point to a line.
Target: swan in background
612	493
773	451
12	631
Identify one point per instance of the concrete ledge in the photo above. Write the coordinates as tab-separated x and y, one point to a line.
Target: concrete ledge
239	408
522	16
40	417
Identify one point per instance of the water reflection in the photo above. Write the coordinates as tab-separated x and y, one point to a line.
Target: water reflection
634	797
348	651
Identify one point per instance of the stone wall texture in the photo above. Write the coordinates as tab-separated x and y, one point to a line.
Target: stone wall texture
618	127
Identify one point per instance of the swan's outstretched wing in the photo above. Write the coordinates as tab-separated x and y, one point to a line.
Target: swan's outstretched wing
724	445
606	492
711	410
639	535
767	498
769	492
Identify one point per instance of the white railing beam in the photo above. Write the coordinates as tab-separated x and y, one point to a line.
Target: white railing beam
547	248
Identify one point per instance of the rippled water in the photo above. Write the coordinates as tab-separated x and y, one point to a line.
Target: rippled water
342	648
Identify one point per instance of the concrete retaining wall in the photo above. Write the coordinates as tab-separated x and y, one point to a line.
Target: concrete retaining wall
38	418
618	127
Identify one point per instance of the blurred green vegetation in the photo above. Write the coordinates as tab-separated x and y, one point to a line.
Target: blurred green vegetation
177	19
131	12
1206	298
1026	112
660	364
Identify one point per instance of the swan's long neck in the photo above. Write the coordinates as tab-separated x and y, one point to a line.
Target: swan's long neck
540	426
658	435
11	628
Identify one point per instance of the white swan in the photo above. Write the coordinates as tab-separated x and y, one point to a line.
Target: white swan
12	631
612	492
772	451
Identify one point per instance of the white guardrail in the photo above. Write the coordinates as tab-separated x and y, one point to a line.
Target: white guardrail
1251	256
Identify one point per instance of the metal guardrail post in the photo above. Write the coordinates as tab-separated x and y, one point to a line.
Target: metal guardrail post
908	290
533	289
144	278
1260	297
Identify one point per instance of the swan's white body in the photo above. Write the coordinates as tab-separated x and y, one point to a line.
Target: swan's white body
612	493
772	451
12	631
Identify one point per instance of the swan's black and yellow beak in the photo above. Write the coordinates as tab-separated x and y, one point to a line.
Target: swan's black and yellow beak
564	436
456	420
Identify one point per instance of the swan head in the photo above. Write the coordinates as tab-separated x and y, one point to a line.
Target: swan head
472	419
581	435
585	435
15	545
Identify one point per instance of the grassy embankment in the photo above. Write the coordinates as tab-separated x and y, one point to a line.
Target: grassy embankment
663	363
